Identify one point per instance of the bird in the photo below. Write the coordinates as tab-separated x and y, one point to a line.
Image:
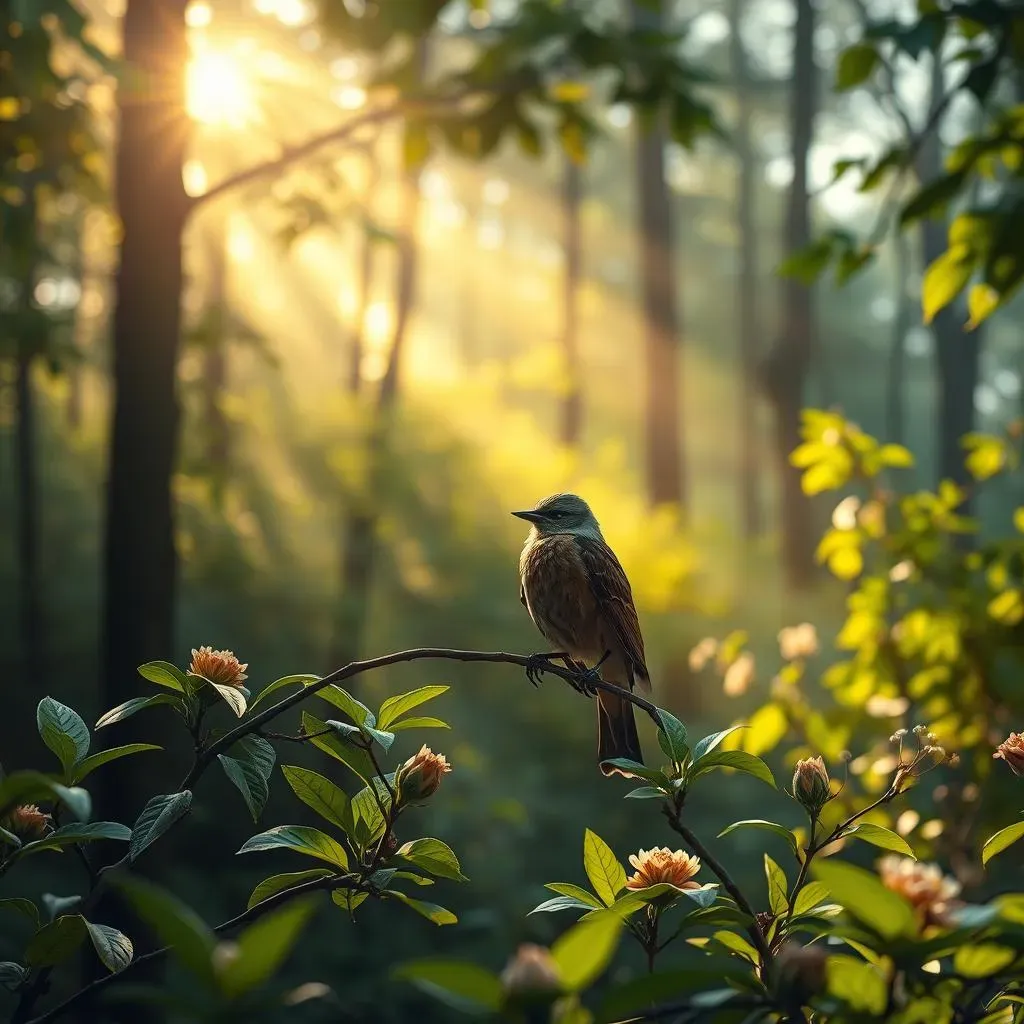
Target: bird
579	597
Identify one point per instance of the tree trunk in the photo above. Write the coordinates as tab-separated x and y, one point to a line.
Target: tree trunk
139	556
572	404
747	285
366	254
664	440
896	380
215	375
786	368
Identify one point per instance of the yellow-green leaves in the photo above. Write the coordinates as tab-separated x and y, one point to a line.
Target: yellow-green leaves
986	455
606	874
1003	839
945	279
856	63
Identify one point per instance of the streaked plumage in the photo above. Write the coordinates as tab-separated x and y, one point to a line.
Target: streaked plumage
579	598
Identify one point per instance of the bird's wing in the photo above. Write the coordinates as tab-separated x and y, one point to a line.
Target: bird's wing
611	590
522	596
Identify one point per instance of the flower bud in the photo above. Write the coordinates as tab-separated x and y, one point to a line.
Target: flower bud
1011	750
531	972
420	776
27	822
811	784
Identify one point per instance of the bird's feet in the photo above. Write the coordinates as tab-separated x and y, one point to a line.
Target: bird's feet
537	664
586	678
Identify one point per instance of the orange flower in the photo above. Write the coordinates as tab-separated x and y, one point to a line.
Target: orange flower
27	821
531	971
923	886
420	776
221	667
1011	750
663	865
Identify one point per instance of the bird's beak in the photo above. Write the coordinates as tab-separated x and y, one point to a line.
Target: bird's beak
530	517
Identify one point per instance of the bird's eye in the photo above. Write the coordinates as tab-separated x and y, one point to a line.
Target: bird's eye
556	513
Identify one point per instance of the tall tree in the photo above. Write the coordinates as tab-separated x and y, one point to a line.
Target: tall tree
571	427
747	281
895	384
785	371
215	372
664	445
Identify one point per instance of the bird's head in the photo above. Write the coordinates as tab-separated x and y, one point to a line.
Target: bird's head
562	513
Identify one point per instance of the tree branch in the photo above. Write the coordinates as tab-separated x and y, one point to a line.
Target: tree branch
270	903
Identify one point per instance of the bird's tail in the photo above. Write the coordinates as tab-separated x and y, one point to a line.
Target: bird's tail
616	732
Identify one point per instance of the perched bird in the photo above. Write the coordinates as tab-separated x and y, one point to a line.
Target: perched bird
579	598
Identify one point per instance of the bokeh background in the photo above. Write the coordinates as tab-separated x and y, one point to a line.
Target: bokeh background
384	352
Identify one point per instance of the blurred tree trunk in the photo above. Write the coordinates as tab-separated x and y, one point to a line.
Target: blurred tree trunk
367	247
957	350
76	369
747	285
784	372
359	545
896	380
215	374
571	430
665	450
139	556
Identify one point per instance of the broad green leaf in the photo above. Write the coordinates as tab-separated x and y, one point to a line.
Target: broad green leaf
778	887
884	838
26	908
463	986
1001	840
231	695
585	950
737	944
63	731
90	764
645	793
765	730
114	948
322	795
944	279
365	821
419	723
811	895
32	787
385	739
249	765
855	65
739	760
708	743
300	679
78	832
857	983
264	946
557	903
156	818
395	707
301	838
58	906
163	673
433	856
130	707
767	826
864	897
173	923
576	892
354	758
345	702
431	911
982	960
56	942
279	883
629	1000
606	874
348	900
672	736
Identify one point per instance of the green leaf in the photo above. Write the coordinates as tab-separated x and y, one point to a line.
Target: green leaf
385	739
864	897
431	911
944	279
395	707
858	984
981	960
30	787
78	832
672	737
629	1001
156	818
810	896
114	948
231	695
767	826
778	887
97	760
249	766
163	673
345	702
354	758
26	908
606	874
645	793
173	923
1001	840
932	197
302	839
58	906
300	679
365	822
419	723
575	892
737	944
560	903
322	795
279	883
264	946
434	856
12	974
129	707
463	986
652	775
63	731
348	900
706	745
856	63
585	950
739	760
881	837
56	942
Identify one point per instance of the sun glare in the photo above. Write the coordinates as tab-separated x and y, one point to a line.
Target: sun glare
218	90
